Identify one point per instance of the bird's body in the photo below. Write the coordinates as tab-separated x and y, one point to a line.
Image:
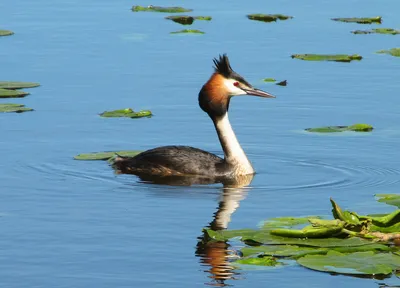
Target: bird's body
214	99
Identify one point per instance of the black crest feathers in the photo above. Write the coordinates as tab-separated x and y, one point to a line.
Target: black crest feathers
222	66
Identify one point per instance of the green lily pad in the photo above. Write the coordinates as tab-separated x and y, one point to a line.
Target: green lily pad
181	19
358	263
17	85
17	108
203	18
390	199
394	52
268	17
334	129
152	8
363	20
269	80
260	261
326	57
378	31
6	93
106	155
6	33
300	251
128	112
285	222
188	31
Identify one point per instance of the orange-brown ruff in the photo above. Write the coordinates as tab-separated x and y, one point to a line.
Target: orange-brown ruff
214	98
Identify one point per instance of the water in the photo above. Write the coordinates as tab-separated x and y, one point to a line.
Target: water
67	223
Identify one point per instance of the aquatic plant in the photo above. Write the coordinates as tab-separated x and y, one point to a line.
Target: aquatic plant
389	31
268	17
182	19
334	129
8	93
203	18
188	31
394	52
106	155
362	20
152	8
327	57
8	88
16	108
269	80
6	33
282	83
128	112
347	244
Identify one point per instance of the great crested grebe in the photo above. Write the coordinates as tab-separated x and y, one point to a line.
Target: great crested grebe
214	99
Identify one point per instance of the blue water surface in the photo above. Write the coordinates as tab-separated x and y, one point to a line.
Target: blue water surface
67	223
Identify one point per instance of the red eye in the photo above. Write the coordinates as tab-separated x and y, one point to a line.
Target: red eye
236	84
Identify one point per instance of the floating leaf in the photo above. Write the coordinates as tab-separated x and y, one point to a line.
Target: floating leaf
333	129
323	57
106	155
361	263
17	108
6	93
282	83
188	31
394	52
203	18
390	199
17	85
6	33
152	8
269	80
285	222
299	251
377	31
309	232
261	261
268	17
363	20
182	19
128	112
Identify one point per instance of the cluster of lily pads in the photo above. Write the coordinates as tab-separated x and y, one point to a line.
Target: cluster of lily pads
350	243
181	19
10	89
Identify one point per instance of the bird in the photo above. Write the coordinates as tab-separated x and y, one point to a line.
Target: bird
185	161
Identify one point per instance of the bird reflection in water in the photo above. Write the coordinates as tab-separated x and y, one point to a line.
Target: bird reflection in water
214	254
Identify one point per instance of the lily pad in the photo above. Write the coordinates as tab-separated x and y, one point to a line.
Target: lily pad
327	57
181	19
17	85
17	108
6	33
268	17
394	52
188	31
152	8
260	261
7	93
334	129
390	199
358	263
269	80
282	83
203	18
362	20
128	112
378	31
300	251
106	155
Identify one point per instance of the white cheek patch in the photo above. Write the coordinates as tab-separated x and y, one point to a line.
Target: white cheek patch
231	88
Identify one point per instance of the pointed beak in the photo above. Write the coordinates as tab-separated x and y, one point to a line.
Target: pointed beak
258	92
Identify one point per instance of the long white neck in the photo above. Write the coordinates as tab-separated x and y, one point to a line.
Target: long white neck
233	152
